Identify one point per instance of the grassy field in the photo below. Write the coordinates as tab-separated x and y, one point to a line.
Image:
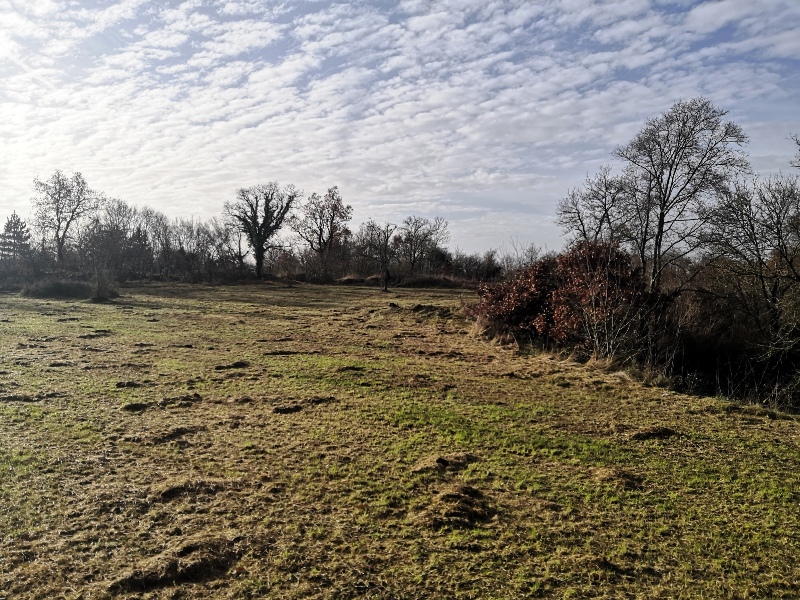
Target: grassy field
274	441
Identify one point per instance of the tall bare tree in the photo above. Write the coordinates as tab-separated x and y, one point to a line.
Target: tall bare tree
375	241
322	224
157	232
674	168
418	237
755	241
230	246
259	212
61	204
678	162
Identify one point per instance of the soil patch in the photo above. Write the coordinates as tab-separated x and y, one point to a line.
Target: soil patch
287	409
653	433
193	487
195	560
444	463
617	478
136	407
458	506
175	433
239	364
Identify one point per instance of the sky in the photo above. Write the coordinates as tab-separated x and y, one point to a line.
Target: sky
483	112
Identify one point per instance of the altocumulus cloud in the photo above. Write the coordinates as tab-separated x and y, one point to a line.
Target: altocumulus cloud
483	112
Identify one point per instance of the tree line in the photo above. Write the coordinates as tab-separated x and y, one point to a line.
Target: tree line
681	262
266	230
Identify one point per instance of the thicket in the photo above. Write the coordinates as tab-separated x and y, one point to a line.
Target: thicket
683	265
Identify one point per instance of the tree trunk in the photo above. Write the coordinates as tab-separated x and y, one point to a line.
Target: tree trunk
259	256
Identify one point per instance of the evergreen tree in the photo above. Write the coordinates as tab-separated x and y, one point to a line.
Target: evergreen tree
15	239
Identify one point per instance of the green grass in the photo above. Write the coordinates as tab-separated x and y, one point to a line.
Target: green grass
281	441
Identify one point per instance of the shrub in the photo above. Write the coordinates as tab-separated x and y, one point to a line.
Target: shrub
429	281
589	298
599	304
58	288
522	304
350	280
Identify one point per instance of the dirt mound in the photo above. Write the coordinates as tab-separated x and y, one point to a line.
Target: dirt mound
192	487
180	401
175	434
97	333
194	560
457	506
653	433
239	364
430	310
617	478
287	409
444	463
128	384
17	398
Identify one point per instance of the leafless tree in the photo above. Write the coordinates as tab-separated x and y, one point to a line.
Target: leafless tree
61	204
597	212
677	163
114	241
322	224
418	237
754	241
158	233
230	245
375	242
519	256
259	212
796	160
674	168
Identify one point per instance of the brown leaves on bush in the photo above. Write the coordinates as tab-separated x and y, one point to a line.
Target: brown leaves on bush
587	296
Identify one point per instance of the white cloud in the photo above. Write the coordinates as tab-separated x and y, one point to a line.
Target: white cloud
484	112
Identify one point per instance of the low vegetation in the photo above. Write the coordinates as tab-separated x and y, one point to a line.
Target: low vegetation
298	441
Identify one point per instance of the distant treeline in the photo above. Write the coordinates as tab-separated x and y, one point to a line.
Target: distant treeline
683	264
266	231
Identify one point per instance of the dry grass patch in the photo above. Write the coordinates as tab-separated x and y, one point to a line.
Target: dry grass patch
271	441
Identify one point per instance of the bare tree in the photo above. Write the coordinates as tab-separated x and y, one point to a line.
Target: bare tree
597	211
158	233
230	245
193	250
755	241
322	224
676	163
375	242
61	204
115	241
259	212
418	237
519	256
796	160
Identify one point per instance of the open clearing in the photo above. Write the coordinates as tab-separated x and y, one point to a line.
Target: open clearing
320	442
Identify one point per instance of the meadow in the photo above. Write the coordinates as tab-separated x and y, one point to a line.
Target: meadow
300	441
